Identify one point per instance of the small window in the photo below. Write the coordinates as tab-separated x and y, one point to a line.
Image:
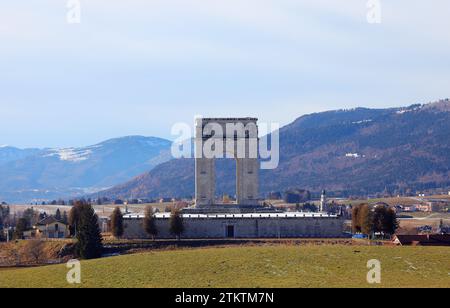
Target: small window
56	227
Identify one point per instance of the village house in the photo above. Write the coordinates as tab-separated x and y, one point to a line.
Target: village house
422	240
413	208
50	227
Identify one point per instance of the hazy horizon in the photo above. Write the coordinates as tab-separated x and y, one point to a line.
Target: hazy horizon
171	137
137	67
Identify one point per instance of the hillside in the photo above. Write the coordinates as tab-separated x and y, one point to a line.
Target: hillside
63	172
356	151
8	153
257	266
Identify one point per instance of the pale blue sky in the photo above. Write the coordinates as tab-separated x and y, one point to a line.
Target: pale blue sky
138	66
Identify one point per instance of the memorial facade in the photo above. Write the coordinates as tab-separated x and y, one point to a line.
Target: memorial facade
232	138
247	217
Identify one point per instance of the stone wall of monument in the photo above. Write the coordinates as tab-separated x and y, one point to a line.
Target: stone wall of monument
326	227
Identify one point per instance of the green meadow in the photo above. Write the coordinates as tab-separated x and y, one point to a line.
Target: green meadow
251	266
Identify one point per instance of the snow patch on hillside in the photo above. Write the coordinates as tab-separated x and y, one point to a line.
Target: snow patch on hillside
409	109
362	121
354	155
71	154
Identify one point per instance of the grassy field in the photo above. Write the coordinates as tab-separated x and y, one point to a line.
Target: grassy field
251	266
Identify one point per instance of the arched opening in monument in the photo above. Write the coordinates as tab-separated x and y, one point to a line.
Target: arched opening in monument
220	181
226	181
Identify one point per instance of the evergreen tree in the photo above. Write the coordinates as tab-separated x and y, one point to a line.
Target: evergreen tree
176	223
64	218
3	217
6	218
89	245
58	215
379	218
21	227
42	216
117	223
356	226
73	218
391	223
149	222
441	226
31	217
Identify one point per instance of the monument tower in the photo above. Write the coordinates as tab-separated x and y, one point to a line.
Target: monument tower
233	138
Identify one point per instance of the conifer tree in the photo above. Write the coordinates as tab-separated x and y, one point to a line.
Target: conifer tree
176	223
379	218
356	226
149	222
89	245
58	215
390	224
21	227
64	218
117	223
73	218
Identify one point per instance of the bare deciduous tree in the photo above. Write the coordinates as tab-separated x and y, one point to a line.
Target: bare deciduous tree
35	250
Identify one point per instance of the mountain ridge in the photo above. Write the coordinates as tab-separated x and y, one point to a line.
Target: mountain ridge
61	172
357	151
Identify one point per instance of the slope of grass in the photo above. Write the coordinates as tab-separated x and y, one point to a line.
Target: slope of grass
251	266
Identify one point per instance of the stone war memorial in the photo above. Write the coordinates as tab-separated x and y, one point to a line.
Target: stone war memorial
226	138
248	216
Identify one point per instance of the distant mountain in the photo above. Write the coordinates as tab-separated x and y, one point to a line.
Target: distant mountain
53	173
8	153
357	151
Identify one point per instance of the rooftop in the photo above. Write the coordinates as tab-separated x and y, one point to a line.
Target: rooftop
48	220
240	215
230	119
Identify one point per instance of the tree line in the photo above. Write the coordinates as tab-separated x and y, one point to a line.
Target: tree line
370	220
83	224
176	224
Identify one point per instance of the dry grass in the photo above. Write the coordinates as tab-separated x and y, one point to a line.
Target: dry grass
254	266
16	253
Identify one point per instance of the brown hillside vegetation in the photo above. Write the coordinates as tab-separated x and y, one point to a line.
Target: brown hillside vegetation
350	152
23	253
